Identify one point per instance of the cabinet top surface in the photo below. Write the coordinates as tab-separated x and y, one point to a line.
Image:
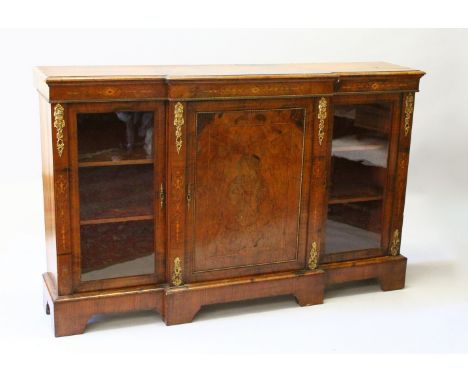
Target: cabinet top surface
53	74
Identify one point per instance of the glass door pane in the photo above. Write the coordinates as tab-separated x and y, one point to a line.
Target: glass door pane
115	161
358	177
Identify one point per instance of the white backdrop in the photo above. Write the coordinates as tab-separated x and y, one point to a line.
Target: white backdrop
430	315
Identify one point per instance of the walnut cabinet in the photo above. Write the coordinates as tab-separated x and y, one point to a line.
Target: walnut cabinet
170	188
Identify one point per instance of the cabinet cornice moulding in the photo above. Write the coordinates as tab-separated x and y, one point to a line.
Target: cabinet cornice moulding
91	84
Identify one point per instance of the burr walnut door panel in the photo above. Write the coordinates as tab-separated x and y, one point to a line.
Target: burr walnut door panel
249	169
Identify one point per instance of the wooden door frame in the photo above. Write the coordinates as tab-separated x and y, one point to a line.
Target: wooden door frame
159	167
388	198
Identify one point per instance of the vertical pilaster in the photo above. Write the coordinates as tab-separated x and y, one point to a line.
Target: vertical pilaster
404	140
321	143
61	152
176	198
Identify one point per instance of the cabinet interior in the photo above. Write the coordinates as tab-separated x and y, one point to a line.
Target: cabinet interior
358	177
116	192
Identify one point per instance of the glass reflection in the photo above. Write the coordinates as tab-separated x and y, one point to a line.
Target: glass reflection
116	250
115	160
115	136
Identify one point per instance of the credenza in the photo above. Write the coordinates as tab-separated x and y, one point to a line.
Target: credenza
169	188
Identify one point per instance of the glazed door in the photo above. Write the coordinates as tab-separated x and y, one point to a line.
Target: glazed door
248	187
117	173
361	178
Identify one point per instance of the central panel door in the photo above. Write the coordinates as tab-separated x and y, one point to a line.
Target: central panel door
248	187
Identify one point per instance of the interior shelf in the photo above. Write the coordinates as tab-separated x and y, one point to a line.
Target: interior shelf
116	163
357	193
353	143
117	220
114	157
117	213
378	129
